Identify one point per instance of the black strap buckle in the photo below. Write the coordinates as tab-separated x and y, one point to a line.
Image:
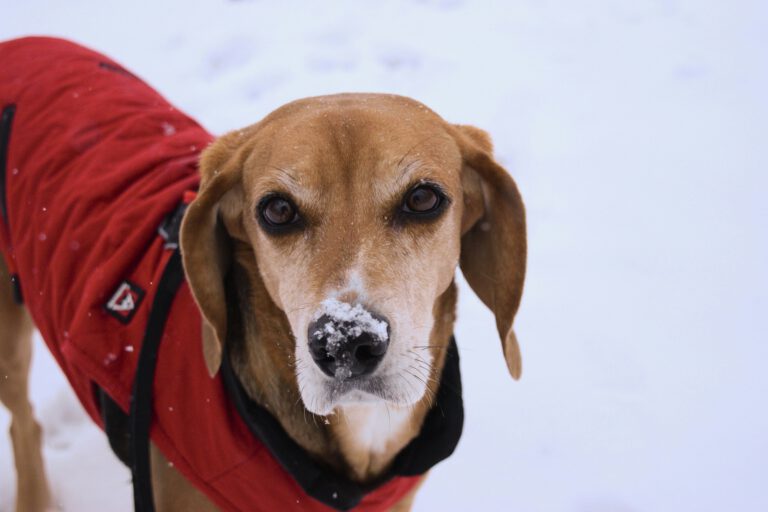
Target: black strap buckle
169	228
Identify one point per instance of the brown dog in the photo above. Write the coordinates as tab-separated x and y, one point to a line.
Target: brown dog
342	219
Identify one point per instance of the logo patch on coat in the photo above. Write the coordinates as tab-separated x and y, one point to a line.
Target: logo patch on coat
125	301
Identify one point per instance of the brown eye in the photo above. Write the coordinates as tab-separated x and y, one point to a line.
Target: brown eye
422	199
277	211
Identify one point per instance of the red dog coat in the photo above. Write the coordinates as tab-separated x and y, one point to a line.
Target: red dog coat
93	161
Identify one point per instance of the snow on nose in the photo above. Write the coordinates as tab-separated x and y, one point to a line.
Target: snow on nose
347	341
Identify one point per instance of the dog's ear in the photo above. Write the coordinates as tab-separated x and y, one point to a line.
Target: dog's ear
493	242
206	245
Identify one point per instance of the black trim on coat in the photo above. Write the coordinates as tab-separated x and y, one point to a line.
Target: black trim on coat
116	426
6	122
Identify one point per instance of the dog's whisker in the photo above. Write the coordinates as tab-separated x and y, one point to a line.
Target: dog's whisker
412	385
425	376
422	363
418	357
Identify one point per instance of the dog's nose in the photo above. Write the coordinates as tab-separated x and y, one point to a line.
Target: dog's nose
348	345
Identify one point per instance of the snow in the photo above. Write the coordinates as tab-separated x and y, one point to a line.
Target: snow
637	133
342	321
344	369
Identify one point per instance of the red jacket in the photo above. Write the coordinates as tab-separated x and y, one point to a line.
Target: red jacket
95	160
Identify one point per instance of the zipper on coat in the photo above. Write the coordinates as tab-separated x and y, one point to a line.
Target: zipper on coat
5	138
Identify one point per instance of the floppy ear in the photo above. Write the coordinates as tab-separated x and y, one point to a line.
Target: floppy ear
205	244
493	243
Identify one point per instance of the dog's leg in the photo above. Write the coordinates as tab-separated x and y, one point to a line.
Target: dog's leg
15	356
172	491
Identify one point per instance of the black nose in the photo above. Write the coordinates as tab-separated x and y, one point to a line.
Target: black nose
347	349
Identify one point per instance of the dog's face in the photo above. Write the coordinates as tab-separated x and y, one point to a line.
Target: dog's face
358	209
356	229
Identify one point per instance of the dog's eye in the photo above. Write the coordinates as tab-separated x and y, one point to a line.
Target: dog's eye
422	199
278	211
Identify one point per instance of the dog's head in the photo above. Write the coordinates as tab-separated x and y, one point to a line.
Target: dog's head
357	209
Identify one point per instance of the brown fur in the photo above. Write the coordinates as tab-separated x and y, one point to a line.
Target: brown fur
15	356
347	159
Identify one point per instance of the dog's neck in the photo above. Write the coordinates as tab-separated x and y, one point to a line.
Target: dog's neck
360	441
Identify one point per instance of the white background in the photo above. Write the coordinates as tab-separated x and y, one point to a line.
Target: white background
637	132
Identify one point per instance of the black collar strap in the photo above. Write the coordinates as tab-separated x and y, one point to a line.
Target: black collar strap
437	440
143	381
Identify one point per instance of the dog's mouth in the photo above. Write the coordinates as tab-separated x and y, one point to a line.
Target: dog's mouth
322	394
369	390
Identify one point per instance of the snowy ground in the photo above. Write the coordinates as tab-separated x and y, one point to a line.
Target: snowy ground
637	132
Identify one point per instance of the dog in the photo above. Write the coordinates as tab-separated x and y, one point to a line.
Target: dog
319	256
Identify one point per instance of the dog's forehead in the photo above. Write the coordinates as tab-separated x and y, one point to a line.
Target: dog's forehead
351	138
352	108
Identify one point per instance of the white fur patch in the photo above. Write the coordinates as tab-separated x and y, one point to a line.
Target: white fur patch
355	281
375	425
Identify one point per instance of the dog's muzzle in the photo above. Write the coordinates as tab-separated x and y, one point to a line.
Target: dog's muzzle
348	342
